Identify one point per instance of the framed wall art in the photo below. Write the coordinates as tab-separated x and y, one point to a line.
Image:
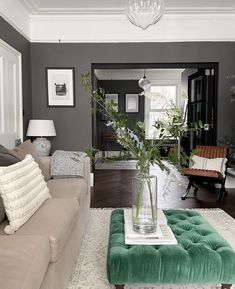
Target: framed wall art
132	102
60	87
112	97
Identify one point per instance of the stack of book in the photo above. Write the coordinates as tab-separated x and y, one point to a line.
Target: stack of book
162	236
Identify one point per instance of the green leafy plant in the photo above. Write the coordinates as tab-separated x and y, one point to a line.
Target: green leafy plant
146	152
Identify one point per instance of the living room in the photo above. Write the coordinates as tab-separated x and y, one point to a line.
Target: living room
91	36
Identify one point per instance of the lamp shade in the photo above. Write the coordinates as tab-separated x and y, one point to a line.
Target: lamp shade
41	127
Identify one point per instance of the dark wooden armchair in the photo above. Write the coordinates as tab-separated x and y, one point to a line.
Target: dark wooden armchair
210	176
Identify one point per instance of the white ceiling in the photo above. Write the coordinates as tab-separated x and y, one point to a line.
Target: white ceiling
117	6
136	74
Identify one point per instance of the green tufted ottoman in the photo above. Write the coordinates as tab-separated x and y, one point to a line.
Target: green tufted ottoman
201	256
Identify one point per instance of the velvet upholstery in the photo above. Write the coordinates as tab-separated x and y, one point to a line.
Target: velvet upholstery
201	256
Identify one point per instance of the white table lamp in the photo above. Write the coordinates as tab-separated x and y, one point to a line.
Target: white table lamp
41	128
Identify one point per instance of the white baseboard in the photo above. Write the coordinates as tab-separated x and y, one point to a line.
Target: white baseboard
92	179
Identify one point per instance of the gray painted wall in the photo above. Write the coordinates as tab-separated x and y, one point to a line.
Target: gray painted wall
74	124
16	40
121	87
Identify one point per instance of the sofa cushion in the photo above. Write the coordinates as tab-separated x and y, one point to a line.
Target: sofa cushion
6	159
23	190
68	188
55	219
2	210
27	148
23	261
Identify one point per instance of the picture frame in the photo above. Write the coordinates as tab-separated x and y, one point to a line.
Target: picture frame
131	102
60	83
112	97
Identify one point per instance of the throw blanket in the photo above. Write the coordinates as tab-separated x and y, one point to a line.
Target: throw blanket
67	164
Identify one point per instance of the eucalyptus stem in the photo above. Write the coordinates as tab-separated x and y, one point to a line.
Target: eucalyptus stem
140	194
151	199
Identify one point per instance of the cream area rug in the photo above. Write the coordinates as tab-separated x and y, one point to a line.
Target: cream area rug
90	268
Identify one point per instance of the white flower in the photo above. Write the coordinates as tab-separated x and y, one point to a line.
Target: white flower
110	123
141	145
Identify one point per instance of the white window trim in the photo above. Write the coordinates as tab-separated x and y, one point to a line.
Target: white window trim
177	84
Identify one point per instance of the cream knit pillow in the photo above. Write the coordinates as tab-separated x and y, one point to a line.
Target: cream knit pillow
216	164
23	191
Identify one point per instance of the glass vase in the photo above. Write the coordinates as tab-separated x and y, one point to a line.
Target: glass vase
144	203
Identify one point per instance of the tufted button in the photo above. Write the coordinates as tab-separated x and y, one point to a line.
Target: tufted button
172	222
196	223
185	245
186	227
203	232
195	241
177	232
168	213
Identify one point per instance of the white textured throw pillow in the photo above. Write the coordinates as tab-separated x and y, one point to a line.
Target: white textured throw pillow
23	191
216	164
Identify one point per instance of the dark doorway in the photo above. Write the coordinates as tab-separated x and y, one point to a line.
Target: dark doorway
204	78
202	96
202	107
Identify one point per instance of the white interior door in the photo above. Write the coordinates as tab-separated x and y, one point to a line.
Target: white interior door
11	112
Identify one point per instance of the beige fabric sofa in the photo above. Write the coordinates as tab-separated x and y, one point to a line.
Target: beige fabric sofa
42	253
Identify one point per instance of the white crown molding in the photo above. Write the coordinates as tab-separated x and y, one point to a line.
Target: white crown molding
30	6
34	9
116	28
198	10
76	11
99	25
92	11
16	14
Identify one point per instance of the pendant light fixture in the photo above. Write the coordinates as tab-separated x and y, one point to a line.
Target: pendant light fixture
144	82
144	13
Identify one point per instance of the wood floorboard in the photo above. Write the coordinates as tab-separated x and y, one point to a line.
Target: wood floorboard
113	190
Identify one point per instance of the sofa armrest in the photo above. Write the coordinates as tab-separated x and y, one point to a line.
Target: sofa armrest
87	173
46	167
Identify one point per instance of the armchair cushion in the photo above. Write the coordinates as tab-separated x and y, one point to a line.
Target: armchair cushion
212	164
190	172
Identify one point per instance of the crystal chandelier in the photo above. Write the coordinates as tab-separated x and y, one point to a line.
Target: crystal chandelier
144	13
144	83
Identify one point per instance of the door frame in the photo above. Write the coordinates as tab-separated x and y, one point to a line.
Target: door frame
144	65
19	56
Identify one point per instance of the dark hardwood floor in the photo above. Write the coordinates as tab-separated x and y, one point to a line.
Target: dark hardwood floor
113	189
